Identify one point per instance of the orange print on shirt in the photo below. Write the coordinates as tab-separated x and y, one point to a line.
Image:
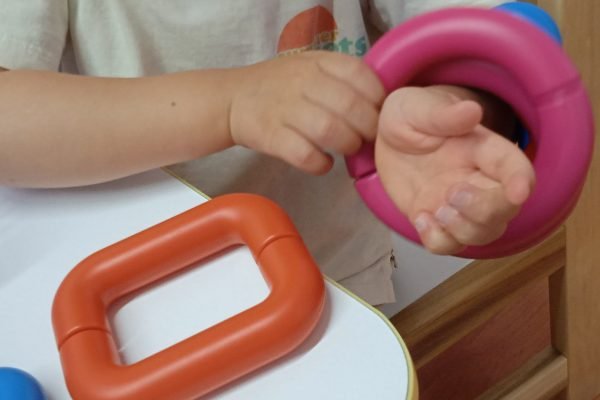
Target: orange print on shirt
312	29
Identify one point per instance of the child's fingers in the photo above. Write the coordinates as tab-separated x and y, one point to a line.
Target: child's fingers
403	137
354	72
502	161
466	231
435	113
518	188
293	148
345	102
434	237
486	207
324	129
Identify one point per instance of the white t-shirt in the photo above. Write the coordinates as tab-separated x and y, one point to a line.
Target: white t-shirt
132	38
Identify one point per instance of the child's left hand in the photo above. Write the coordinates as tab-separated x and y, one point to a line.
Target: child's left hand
457	181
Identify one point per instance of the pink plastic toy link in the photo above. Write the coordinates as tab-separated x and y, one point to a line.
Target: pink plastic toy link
509	57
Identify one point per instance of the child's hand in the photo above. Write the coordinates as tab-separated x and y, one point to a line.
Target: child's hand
458	182
302	107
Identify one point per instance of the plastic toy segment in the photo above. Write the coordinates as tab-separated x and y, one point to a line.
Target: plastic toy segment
162	250
509	57
470	33
209	359
544	21
16	384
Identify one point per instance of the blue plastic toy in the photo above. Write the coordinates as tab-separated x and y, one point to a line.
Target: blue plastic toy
535	15
19	385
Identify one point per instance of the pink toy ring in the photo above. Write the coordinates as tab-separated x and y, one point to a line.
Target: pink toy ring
519	63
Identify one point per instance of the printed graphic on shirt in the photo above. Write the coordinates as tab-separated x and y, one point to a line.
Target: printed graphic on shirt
316	29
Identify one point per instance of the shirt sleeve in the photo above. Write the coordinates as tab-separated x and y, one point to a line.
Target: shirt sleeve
385	14
33	33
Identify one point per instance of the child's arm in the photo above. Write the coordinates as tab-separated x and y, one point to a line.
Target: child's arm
66	130
458	181
63	130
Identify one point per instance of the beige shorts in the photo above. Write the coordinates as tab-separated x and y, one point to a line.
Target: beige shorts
373	284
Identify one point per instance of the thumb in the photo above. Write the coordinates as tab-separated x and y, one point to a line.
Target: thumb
435	111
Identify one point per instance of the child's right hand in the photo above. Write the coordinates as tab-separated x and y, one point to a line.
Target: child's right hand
297	108
302	107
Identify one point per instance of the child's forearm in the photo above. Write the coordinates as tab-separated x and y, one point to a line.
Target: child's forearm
64	130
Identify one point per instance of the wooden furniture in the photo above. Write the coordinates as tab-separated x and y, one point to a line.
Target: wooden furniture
569	261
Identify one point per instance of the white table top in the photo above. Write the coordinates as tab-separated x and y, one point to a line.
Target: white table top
354	353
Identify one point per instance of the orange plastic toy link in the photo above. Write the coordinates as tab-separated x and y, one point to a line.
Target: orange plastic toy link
211	358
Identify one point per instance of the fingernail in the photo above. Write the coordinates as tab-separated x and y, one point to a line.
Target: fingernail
445	215
460	199
421	223
437	241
